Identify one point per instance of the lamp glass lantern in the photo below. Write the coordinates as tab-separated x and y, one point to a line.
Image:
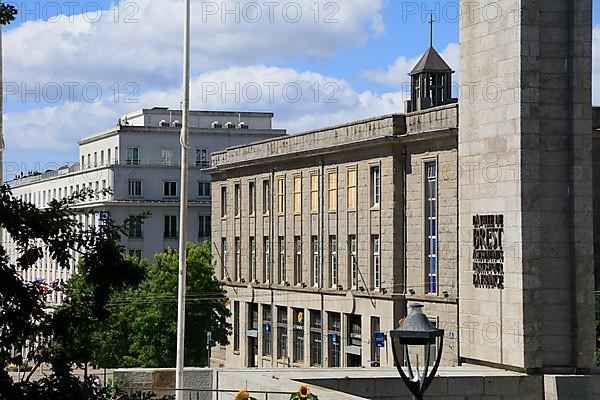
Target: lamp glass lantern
417	331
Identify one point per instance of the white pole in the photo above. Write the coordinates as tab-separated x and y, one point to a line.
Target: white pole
183	195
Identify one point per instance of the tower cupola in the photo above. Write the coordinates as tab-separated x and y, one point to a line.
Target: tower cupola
431	81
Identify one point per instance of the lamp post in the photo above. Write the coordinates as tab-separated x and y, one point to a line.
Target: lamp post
417	330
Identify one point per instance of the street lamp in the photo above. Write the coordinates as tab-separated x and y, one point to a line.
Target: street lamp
417	330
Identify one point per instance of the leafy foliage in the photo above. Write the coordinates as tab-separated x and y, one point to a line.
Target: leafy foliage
23	315
141	331
8	13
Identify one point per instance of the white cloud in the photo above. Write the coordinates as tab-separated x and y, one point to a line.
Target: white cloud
396	75
300	101
596	66
143	44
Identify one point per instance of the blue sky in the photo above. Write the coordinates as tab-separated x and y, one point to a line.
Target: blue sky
349	59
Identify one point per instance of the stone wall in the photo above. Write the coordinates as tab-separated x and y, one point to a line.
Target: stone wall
522	147
461	383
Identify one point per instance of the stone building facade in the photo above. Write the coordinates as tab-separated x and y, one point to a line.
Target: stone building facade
490	226
322	224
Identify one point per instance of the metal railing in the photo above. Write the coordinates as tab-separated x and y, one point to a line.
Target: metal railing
135	393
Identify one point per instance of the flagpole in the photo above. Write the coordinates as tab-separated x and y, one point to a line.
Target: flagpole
183	195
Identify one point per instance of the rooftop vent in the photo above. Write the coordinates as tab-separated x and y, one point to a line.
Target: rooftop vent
242	125
216	125
163	124
229	125
176	124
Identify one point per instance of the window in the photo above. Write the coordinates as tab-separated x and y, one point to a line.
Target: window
135	188
334	336
170	226
169	189
316	345
166	157
267	259
135	227
82	162
89	158
117	154
431	228
236	326
354	330
281	196
133	156
108	156
237	199
353	262
223	202
252	256
135	253
297	195
376	261
266	196
95	159
298	260
204	227
238	259
314	244
314	194
252	316
203	189
224	255
282	332
298	355
333	261
433	346
375	186
332	191
202	158
351	190
375	351
251	198
101	157
282	271
267	333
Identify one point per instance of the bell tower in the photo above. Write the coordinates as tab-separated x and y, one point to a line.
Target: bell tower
430	79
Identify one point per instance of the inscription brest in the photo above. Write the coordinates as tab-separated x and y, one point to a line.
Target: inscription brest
488	251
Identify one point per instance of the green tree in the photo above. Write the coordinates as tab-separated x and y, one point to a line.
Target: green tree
23	314
152	311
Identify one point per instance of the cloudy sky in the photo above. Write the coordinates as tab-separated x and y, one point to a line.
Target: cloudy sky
71	68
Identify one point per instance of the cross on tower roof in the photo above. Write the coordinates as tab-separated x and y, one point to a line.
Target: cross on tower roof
431	21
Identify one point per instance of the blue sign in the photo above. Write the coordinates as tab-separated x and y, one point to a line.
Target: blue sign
379	338
268	327
334	337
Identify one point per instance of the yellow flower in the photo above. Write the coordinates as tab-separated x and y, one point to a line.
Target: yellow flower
242	395
303	391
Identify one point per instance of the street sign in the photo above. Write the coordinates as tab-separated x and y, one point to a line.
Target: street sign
379	338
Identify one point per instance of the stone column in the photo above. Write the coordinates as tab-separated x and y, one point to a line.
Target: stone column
526	298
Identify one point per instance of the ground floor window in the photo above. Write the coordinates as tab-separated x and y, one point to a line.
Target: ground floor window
282	332
267	333
334	336
316	345
298	356
236	326
375	351
354	347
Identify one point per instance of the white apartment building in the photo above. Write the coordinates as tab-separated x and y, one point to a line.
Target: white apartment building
139	160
